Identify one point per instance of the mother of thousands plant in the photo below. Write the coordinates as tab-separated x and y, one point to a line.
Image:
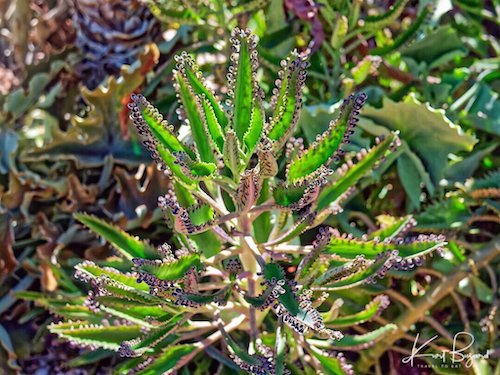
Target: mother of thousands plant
243	191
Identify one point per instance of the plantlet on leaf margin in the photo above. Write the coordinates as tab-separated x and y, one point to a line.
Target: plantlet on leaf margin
232	219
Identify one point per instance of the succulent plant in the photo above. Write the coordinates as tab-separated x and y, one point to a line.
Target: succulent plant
109	35
235	270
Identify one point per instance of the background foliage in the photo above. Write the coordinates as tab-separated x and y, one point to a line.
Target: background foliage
430	69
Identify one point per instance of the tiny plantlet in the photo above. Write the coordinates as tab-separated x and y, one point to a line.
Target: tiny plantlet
234	281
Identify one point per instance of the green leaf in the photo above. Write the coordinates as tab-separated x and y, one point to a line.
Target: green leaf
254	133
351	247
168	360
132	311
298	227
106	337
151	120
286	195
331	365
244	85
326	148
90	357
418	124
129	246
393	228
171	161
208	243
191	107
67	307
357	342
436	49
166	270
360	275
404	36
262	225
288	102
370	311
237	350
204	299
92	270
482	108
380	21
194	169
348	175
188	68
151	339
272	270
213	126
450	213
410	178
231	154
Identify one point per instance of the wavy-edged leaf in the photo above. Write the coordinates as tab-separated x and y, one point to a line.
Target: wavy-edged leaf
299	227
371	310
117	289
395	227
151	339
366	274
193	113
129	246
188	68
322	239
214	128
144	315
70	308
327	146
359	342
272	270
89	270
195	299
350	173
339	271
287	99
106	337
171	161
299	195
417	123
196	170
440	46
349	248
194	219
147	119
201	214
244	61
169	270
